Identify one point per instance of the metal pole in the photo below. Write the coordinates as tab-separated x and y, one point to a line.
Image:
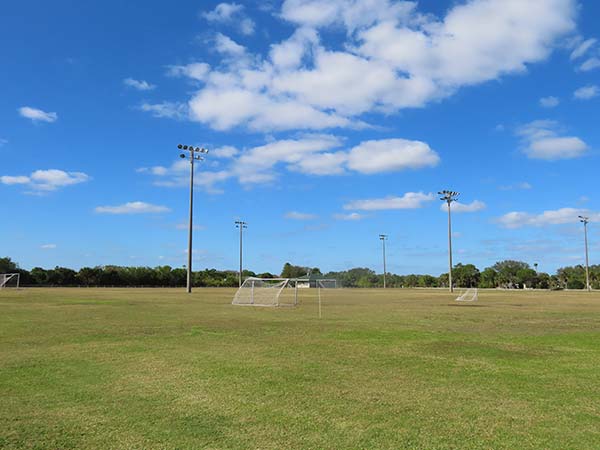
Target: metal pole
450	248
241	225
383	238
384	265
191	225
241	246
585	221
587	259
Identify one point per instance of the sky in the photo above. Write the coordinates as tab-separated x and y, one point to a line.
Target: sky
327	124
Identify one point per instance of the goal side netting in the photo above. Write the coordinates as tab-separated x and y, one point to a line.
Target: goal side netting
327	284
470	295
9	280
266	292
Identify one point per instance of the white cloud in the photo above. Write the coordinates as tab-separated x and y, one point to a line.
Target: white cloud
590	64
391	155
312	154
225	152
166	109
140	85
542	141
227	46
549	102
459	207
393	57
561	216
3	142
132	208
37	115
349	217
196	71
587	92
410	200
46	180
20	179
295	215
223	12
228	13
177	175
524	185
583	48
48	246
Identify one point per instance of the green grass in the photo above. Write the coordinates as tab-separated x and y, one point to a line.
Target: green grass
110	368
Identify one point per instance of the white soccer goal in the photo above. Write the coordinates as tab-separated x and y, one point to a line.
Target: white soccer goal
470	295
9	280
267	292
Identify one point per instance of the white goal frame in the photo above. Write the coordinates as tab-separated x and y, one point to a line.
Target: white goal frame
248	293
470	295
6	277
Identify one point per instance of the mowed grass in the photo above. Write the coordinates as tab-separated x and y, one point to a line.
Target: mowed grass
395	369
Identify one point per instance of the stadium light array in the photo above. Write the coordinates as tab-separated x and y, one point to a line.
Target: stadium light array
449	197
193	157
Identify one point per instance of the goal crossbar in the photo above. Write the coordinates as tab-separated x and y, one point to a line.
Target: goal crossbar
9	280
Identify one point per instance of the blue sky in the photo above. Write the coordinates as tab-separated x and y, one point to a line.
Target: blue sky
328	123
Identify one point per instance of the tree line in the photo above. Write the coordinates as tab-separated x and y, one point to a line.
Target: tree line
504	274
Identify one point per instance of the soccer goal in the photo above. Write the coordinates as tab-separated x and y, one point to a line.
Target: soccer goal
9	280
267	292
322	285
470	295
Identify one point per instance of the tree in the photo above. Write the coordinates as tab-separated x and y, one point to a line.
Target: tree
527	278
39	276
89	276
507	272
7	265
465	275
290	271
488	278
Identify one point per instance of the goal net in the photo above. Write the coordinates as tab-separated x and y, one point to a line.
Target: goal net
267	292
470	295
327	284
9	280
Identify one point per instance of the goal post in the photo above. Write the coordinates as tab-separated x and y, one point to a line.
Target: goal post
470	295
10	280
267	292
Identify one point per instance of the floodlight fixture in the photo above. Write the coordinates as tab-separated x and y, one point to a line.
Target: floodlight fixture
585	220
192	158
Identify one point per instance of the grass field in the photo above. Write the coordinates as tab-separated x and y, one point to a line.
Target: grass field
395	369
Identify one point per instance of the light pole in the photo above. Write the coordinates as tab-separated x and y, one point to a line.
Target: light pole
449	197
383	238
585	221
193	156
241	225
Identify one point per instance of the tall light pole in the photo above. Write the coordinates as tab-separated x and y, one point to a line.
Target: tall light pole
449	197
585	221
383	238
193	157
241	225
